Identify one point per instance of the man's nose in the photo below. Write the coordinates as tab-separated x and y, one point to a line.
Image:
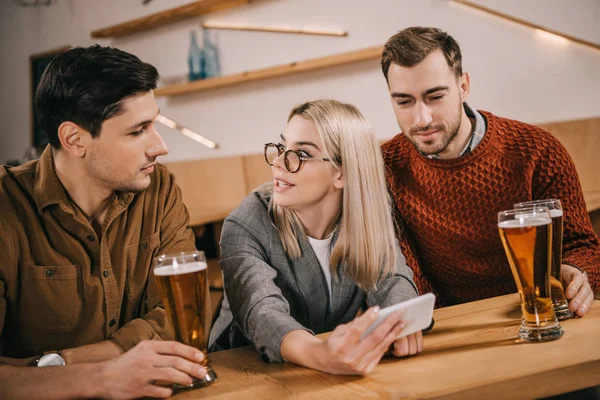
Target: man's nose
423	115
158	146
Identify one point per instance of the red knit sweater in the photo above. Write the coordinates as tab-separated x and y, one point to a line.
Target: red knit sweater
448	208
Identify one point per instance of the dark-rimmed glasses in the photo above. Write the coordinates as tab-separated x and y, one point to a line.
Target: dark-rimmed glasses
292	159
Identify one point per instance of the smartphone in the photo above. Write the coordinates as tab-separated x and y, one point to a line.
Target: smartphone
418	315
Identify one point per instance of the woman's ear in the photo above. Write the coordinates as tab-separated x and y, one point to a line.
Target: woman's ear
338	182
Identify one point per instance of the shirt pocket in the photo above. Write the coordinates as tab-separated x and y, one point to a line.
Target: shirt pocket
52	298
139	265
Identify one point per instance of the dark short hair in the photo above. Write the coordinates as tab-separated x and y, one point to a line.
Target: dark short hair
410	46
87	85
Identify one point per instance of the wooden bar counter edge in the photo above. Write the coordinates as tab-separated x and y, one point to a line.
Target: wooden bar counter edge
472	352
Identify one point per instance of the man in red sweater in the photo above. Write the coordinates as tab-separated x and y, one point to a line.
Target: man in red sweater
454	168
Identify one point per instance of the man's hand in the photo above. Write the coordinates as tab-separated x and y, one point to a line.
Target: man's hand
132	374
577	289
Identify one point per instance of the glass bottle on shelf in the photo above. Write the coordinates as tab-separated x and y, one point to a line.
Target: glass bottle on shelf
196	59
211	52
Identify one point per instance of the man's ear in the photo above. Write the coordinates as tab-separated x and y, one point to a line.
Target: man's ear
73	138
338	183
464	86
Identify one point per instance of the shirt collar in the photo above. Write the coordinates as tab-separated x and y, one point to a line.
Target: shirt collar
49	190
478	130
476	136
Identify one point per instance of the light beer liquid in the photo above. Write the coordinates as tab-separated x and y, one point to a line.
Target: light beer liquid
184	290
528	249
558	293
561	304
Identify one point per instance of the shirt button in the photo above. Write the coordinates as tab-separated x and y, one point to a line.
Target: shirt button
91	238
112	323
49	273
144	246
106	274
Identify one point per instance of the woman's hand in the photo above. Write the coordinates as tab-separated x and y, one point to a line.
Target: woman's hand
345	353
408	345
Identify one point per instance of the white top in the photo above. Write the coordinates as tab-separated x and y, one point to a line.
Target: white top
322	250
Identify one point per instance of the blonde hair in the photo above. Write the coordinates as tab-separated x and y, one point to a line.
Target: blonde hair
366	241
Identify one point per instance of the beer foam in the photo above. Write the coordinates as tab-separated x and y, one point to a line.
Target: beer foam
179	269
556	213
553	214
524	222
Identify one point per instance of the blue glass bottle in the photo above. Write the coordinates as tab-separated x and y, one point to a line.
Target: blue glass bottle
211	51
196	60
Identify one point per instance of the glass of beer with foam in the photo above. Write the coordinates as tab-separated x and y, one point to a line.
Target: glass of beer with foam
183	284
526	234
561	305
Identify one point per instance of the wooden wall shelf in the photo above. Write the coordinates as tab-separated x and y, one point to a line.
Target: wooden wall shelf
271	72
169	16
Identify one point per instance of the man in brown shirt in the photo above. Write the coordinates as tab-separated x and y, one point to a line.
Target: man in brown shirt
78	230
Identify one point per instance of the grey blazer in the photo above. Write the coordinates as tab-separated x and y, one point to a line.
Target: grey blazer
268	295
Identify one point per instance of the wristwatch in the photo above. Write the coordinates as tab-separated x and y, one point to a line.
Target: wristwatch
49	359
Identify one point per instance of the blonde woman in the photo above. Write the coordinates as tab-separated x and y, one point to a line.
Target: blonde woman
303	255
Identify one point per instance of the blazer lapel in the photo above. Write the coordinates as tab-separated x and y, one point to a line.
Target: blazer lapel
343	292
312	285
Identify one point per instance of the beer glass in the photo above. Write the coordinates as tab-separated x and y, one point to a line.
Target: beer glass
561	305
183	284
527	238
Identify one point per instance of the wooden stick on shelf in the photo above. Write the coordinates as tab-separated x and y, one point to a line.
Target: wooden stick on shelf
169	16
368	53
529	24
275	29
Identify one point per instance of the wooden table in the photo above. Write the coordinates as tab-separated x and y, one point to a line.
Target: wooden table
472	352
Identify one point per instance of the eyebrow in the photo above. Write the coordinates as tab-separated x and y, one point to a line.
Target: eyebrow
146	122
302	143
435	89
425	93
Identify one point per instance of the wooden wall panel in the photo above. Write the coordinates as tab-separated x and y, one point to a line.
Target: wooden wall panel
256	171
582	140
211	188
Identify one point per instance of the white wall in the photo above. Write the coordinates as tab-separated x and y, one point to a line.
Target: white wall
514	73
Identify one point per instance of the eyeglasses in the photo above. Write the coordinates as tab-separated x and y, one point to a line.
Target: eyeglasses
292	159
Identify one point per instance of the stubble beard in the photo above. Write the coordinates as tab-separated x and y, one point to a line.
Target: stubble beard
449	135
97	171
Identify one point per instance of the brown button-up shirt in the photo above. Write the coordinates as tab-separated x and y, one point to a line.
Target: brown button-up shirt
62	285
